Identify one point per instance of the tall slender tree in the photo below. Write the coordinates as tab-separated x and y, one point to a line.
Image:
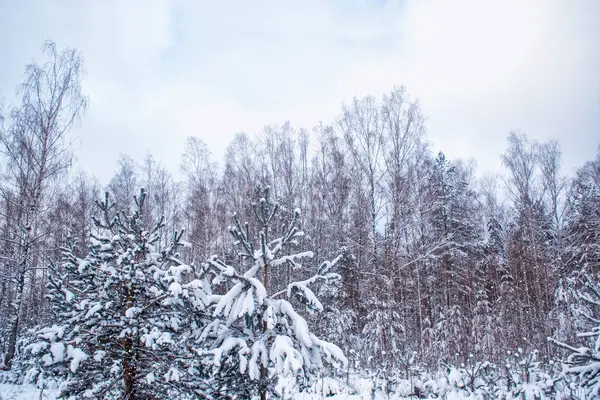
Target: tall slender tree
36	147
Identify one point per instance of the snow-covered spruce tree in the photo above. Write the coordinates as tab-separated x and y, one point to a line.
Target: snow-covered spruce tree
123	315
338	321
264	336
584	361
384	336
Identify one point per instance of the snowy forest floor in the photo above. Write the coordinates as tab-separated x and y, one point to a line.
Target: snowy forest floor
30	392
361	389
25	392
358	387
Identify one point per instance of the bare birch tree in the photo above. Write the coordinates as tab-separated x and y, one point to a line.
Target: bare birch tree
37	152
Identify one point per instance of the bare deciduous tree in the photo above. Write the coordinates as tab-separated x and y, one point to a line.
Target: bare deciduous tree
124	183
37	151
361	127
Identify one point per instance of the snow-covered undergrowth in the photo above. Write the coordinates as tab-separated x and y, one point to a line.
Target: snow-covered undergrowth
519	376
326	388
452	384
25	392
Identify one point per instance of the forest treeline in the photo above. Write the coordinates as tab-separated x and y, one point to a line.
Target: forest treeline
441	265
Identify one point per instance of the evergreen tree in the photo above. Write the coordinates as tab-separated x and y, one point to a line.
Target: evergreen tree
580	259
258	335
338	322
383	336
484	321
454	220
584	360
123	315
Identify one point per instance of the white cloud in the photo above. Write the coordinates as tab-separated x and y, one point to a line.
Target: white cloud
161	70
482	68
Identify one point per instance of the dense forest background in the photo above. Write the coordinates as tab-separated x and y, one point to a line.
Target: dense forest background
441	266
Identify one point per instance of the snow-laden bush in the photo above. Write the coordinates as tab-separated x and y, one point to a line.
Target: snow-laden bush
522	376
475	380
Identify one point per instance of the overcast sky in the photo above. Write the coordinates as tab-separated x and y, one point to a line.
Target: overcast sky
161	70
